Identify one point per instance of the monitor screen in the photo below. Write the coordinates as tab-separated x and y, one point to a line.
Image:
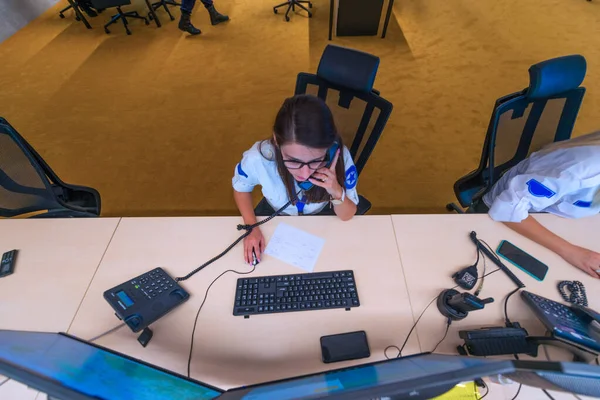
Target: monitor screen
90	370
423	375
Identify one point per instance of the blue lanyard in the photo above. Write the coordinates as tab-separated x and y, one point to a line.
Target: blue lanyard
300	203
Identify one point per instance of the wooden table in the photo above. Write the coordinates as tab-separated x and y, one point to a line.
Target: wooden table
56	262
232	351
433	247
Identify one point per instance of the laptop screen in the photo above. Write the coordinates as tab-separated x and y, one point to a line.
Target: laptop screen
93	371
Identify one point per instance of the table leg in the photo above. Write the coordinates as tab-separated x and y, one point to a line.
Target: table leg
388	14
153	14
331	18
79	14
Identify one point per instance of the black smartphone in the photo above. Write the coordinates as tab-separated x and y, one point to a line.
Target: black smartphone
329	156
345	346
522	260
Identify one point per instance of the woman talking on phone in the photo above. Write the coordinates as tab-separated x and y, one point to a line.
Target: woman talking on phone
305	147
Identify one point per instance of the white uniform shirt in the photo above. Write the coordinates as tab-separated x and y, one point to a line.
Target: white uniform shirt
261	169
562	178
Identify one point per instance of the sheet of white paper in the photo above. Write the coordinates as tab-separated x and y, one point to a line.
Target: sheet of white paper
295	247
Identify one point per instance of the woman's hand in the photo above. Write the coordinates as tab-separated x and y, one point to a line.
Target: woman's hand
327	179
586	260
254	241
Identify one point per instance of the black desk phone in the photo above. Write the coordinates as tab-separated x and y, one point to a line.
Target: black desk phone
146	298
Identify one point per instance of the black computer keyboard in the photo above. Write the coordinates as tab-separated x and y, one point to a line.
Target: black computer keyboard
298	292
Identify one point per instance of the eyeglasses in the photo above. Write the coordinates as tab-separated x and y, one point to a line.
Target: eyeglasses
314	165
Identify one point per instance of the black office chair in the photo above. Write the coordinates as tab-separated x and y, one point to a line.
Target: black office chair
291	6
28	184
522	123
120	15
349	73
78	8
164	4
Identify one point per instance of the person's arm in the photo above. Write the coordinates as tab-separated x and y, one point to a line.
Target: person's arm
327	179
584	259
346	210
255	240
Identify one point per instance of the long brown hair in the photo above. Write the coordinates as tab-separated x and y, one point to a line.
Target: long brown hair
306	120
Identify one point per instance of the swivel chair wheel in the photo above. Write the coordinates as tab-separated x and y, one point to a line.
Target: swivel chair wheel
287	19
77	19
61	16
172	17
309	15
309	5
274	10
146	21
106	30
150	17
128	31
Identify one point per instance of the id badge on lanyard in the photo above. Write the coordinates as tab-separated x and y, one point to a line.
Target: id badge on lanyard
300	203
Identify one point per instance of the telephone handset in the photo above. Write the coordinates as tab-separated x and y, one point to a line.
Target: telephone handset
307	185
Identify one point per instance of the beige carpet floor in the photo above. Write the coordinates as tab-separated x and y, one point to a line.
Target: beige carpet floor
157	121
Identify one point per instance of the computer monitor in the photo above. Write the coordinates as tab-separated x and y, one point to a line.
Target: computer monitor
66	367
423	376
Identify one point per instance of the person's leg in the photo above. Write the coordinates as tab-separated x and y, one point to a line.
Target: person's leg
186	13
215	16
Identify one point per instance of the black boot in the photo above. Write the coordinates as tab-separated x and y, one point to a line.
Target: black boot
215	16
186	25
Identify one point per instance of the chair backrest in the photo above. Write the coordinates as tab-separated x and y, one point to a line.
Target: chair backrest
525	121
360	113
27	183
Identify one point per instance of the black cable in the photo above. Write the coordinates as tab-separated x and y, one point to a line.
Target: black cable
506	319
577	292
548	394
4	381
448	323
518	391
391	347
423	312
415	325
487	390
111	330
200	309
248	229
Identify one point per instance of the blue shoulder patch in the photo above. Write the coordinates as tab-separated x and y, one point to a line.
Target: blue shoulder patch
583	204
351	177
241	171
537	189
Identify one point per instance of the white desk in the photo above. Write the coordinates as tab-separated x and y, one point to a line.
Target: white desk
433	247
232	351
56	262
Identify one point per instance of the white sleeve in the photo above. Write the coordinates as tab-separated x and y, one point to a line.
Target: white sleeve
529	192
351	177
245	176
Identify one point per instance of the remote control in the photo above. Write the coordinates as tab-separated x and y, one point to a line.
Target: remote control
7	264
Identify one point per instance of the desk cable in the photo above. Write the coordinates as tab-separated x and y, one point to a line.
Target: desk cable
576	294
417	321
111	330
248	229
200	309
495	258
4	381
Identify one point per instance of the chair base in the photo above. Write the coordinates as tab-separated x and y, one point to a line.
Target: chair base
164	4
291	6
122	16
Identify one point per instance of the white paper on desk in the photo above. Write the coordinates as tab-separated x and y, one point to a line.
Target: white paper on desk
295	247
